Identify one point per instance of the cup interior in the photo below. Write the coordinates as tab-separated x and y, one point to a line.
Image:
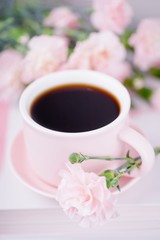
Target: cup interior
87	77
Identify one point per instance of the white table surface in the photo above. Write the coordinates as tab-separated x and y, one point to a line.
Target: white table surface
24	213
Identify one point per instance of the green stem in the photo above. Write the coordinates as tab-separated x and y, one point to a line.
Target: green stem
132	166
107	158
79	158
120	167
113	176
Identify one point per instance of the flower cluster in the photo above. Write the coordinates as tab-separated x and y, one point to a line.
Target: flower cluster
61	39
86	195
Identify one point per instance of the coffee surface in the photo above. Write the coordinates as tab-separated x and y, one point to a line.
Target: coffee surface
75	108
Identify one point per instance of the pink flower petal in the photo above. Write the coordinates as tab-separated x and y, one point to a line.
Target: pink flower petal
146	42
89	199
114	15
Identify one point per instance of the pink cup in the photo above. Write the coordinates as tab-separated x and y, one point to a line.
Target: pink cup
49	150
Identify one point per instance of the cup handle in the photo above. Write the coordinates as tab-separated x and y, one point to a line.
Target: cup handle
142	147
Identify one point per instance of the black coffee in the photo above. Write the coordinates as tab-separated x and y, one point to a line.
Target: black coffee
75	108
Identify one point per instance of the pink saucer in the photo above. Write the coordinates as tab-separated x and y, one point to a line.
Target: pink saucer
24	173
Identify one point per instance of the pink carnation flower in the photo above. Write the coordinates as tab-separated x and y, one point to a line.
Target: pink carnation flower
146	42
114	15
155	99
46	55
62	17
10	72
100	52
85	195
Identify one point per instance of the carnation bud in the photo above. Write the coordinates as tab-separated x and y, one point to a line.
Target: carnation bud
75	158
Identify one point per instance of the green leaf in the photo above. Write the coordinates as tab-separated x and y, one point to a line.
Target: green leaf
145	93
108	183
115	182
155	72
6	24
70	51
109	174
124	38
129	83
157	150
77	35
47	31
21	48
16	32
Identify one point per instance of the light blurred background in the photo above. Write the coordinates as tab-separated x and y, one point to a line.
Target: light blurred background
142	8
